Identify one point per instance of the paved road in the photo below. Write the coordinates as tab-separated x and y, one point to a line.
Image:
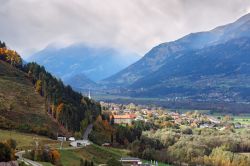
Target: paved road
20	158
33	163
87	132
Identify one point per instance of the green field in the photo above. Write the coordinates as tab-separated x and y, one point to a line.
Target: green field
27	141
242	119
98	154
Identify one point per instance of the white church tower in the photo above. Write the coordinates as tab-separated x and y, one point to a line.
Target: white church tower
89	95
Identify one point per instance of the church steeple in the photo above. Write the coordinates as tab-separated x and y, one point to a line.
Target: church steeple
89	95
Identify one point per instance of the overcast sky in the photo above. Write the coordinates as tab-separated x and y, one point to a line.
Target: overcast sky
135	25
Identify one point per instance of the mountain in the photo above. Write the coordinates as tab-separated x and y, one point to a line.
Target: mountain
161	54
94	63
216	72
80	81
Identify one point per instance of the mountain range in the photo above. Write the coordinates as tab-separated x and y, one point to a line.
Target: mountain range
205	64
83	63
210	65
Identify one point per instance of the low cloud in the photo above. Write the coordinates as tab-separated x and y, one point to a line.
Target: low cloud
136	25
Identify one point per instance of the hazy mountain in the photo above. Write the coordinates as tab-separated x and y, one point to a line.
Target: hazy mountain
221	71
95	63
164	53
80	81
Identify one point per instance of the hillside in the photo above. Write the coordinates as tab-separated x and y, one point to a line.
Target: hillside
33	100
21	107
223	76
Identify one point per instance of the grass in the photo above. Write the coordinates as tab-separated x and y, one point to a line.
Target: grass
26	141
246	154
70	157
98	154
20	105
159	163
95	153
242	119
46	164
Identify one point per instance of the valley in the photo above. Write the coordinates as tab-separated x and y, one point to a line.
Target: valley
71	100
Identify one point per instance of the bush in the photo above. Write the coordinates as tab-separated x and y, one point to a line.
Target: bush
114	162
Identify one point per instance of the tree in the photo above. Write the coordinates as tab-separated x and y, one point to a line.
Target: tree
5	152
12	143
55	156
38	86
81	162
113	162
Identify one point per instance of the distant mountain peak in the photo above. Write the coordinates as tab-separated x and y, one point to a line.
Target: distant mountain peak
244	18
95	63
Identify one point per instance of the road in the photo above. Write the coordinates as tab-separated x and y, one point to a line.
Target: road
87	132
20	158
34	163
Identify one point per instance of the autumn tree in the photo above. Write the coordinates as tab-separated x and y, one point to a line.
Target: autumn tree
55	156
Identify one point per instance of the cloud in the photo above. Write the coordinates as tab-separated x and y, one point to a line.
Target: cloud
136	25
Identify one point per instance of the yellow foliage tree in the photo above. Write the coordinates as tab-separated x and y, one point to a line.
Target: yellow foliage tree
55	156
38	86
59	110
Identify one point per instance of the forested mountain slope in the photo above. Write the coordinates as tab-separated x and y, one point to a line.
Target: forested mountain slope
32	100
164	53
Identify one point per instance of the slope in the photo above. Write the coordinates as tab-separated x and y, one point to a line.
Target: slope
218	72
20	107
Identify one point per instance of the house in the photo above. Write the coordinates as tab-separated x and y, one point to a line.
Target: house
61	138
80	143
124	119
130	161
72	139
106	144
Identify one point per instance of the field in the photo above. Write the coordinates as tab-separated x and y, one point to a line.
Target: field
98	154
27	141
242	119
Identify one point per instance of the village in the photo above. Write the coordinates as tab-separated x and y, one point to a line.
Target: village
126	114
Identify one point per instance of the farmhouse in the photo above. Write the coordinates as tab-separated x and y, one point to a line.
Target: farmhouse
124	119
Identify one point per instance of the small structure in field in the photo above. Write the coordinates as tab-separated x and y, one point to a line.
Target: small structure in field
130	161
80	143
72	139
61	138
106	144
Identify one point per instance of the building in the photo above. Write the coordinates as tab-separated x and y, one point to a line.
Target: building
131	161
89	95
124	119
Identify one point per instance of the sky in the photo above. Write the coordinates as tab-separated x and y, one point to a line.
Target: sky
135	25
